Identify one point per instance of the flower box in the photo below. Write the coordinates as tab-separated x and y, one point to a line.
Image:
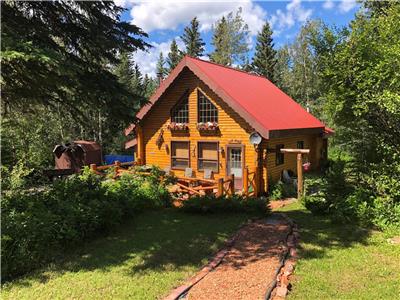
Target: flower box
173	126
207	126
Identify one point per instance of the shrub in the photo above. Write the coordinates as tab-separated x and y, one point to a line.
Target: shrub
233	204
346	197
36	226
281	190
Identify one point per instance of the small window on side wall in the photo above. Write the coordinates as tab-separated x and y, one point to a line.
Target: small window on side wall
300	145
180	155
279	157
207	158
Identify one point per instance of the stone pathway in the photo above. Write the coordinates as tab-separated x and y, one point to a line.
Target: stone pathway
249	267
253	264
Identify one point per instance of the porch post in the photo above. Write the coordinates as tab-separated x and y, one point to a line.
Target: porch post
299	175
246	181
140	145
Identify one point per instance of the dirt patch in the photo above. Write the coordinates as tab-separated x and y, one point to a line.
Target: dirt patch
249	267
394	240
281	203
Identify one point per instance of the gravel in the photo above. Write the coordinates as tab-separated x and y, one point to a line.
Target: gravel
248	268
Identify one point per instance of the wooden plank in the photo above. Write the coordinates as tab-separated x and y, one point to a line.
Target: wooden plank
303	151
187	188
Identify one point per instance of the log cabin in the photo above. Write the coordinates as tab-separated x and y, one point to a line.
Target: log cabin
207	118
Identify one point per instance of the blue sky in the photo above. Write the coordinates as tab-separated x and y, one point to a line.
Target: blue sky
164	20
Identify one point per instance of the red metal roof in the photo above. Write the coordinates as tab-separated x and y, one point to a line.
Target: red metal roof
262	104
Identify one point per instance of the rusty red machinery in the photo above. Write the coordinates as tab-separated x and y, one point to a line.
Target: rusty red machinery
71	157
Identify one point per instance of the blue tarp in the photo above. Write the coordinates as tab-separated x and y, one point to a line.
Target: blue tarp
111	158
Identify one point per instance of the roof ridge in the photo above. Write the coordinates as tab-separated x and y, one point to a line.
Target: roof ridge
227	67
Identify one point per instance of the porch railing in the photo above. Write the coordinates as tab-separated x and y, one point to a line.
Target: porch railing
193	186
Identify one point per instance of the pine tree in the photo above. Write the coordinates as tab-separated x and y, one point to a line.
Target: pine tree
149	86
161	70
174	56
264	59
124	71
62	50
230	40
220	41
192	39
137	80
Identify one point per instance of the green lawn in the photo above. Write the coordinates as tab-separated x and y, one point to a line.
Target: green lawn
343	261
144	259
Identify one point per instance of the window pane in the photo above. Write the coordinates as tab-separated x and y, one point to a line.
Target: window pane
180	149
208	151
207	164
180	113
300	145
280	158
206	110
180	163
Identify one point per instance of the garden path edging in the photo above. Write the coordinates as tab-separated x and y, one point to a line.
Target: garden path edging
280	286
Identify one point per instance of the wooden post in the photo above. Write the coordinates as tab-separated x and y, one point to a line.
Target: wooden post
140	145
93	167
117	167
246	181
232	184
256	182
299	175
266	186
220	187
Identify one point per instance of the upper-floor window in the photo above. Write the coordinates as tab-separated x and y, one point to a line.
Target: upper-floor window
180	112
207	112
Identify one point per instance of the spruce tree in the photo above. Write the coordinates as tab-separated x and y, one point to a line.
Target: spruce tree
221	43
137	80
149	86
160	68
230	39
192	39
124	70
264	59
174	56
59	53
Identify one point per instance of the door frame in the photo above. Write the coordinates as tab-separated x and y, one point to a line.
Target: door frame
227	146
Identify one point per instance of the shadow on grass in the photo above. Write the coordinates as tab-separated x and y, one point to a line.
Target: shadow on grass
318	233
158	241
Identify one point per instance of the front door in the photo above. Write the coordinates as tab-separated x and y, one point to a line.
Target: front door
235	165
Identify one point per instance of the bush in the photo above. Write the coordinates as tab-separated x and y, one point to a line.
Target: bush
36	226
339	194
233	204
281	190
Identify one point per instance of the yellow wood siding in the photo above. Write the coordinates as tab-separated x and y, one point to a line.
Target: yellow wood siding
231	127
273	172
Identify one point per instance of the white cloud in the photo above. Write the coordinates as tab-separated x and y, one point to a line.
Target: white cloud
169	14
147	61
347	5
294	12
328	4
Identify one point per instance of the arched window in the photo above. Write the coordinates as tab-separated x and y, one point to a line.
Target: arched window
180	112
207	112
